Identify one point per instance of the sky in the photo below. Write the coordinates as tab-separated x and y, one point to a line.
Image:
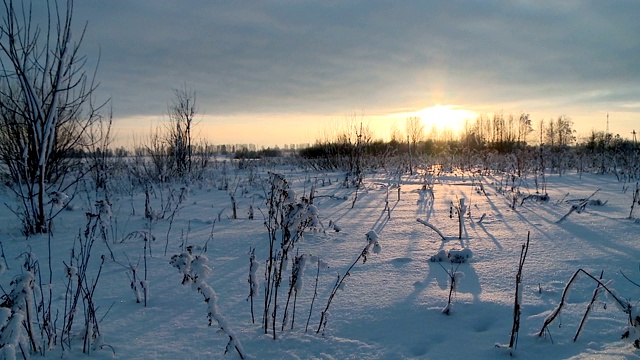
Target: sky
276	72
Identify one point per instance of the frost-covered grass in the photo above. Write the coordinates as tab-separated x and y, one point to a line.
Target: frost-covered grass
390	307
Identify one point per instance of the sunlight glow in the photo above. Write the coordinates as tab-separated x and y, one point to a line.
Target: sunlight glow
444	117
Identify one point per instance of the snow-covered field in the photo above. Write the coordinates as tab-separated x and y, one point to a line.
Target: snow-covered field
390	306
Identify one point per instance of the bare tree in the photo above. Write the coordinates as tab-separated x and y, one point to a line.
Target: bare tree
524	128
564	131
46	105
182	112
551	133
396	134
415	130
98	158
415	134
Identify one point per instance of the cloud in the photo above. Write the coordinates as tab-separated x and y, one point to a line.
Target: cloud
331	57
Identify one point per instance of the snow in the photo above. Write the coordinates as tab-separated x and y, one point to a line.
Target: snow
390	307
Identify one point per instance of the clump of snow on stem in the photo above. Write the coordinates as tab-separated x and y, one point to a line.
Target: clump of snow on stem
58	199
253	269
72	271
302	215
290	195
632	331
299	265
104	213
294	216
334	226
13	334
372	238
313	218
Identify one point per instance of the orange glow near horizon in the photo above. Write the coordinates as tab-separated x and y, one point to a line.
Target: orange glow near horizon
268	130
445	118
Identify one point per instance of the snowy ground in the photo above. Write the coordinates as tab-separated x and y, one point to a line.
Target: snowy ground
391	306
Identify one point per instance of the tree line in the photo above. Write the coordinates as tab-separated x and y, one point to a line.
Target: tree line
54	132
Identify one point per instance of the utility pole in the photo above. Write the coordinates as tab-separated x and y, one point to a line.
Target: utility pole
607	133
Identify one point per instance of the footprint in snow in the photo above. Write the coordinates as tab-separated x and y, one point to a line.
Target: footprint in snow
419	350
483	324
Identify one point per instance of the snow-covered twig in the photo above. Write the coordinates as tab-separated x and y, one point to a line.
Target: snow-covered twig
372	242
315	295
596	292
432	228
132	273
460	209
536	197
454	279
79	290
287	220
181	198
195	271
518	296
578	207
253	280
624	305
636	199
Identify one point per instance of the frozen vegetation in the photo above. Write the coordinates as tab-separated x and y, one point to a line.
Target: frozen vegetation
377	286
176	250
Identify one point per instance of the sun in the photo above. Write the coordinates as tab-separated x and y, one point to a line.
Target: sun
445	117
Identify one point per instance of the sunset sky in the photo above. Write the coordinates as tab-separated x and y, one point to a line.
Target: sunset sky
275	72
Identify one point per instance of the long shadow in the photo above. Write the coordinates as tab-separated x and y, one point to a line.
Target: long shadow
534	226
465	237
430	206
493	238
422	202
470	283
345	209
435	273
329	196
498	212
600	240
384	218
343	203
438	272
425	203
